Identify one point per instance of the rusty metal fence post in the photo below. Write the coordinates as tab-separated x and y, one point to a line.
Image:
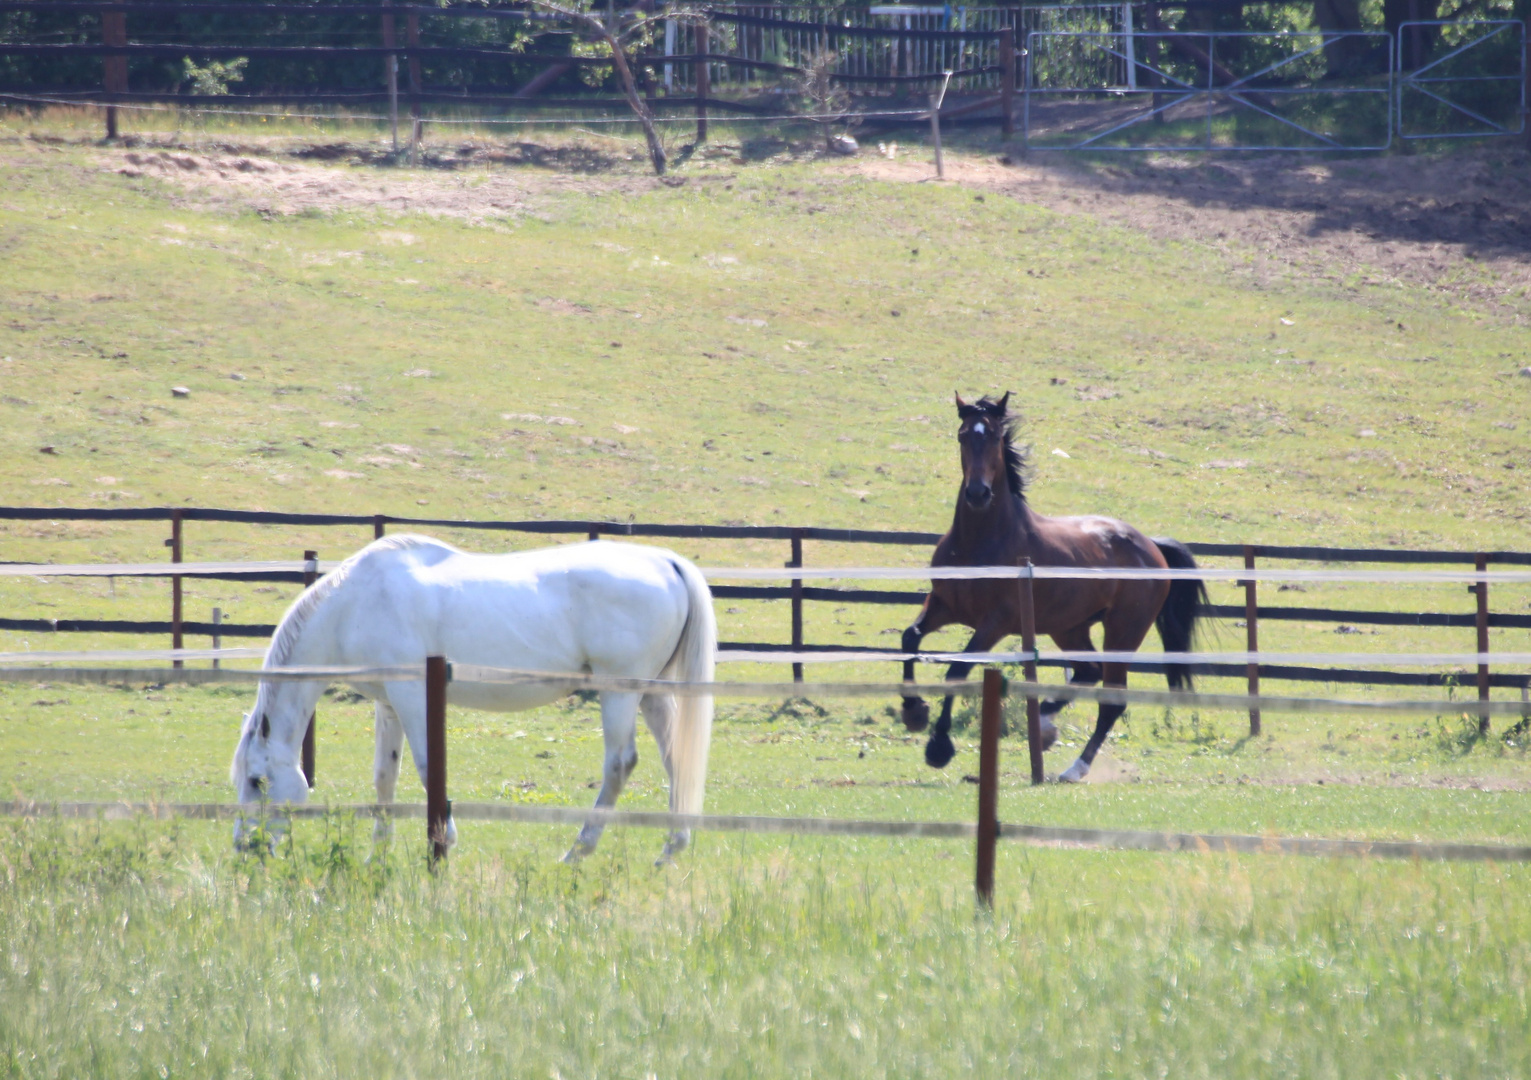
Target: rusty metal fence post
1481	588
310	575
1029	647
437	808
988	786
796	563
1252	635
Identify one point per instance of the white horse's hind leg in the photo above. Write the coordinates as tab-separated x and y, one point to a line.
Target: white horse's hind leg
385	764
408	703
619	722
659	713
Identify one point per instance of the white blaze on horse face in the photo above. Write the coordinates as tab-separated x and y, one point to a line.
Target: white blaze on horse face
979	428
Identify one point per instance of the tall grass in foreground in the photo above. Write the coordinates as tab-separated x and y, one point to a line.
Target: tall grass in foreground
149	950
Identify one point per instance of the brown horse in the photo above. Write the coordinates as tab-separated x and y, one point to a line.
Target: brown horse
995	526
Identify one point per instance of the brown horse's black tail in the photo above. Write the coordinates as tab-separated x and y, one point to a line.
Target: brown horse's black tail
1177	618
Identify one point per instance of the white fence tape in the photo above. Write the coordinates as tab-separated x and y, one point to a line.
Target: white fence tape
1036	835
181	569
465	673
843	573
878	656
1114	573
1076	656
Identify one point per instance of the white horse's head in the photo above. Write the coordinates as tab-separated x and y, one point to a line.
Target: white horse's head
267	759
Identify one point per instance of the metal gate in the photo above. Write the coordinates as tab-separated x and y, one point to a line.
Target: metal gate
1468	79
1233	90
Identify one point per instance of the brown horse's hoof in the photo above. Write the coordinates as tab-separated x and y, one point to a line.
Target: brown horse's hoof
916	714
1049	735
939	750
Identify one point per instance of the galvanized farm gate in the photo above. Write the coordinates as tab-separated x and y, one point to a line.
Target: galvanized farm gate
1461	79
1210	90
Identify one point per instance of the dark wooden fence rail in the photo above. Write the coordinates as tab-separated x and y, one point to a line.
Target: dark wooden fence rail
1482	620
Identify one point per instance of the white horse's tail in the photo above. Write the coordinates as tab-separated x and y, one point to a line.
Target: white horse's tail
694	661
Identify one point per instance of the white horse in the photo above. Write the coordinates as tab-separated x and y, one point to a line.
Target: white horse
600	607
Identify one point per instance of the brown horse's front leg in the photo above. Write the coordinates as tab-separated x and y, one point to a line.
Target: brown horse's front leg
939	750
933	616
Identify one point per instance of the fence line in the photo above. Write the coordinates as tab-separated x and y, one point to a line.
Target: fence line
378	523
840	573
438	674
1033	835
22	667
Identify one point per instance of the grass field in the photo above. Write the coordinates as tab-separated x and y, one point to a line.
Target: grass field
773	344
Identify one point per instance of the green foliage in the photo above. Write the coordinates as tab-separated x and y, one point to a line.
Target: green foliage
214	77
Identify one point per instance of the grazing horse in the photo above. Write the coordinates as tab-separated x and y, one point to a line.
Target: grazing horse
995	526
600	607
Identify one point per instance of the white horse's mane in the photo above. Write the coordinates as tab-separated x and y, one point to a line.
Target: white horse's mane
291	627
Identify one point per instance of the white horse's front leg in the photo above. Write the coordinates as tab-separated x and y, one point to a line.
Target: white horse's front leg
408	702
385	764
659	713
619	723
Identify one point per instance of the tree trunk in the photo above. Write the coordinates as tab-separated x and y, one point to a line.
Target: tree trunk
639	106
1346	55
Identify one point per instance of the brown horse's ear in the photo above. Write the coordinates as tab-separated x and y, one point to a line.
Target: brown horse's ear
960	403
1002	402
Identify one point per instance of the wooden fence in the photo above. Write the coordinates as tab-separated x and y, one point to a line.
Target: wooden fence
737	47
1481	619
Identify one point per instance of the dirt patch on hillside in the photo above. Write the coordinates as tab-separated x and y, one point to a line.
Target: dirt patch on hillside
1459	223
472	181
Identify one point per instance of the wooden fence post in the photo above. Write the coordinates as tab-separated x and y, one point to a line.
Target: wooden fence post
1029	647
309	736
174	544
1481	588
437	808
1252	635
412	38
217	635
378	526
797	602
988	786
1007	78
595	533
703	80
114	69
391	72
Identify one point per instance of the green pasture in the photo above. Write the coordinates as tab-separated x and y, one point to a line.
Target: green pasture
764	344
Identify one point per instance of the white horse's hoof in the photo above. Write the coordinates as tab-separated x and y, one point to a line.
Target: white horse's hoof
1075	773
577	853
676	843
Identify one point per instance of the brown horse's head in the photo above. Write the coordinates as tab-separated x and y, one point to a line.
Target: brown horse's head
989	455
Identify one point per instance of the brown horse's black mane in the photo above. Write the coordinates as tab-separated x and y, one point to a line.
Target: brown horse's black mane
1017	465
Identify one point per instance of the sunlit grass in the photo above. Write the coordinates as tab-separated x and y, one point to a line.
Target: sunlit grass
136	950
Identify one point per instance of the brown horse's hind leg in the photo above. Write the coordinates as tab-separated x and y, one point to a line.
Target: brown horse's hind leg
1084	674
1123	633
934	615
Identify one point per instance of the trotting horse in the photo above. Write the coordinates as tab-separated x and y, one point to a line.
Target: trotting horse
599	607
995	526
